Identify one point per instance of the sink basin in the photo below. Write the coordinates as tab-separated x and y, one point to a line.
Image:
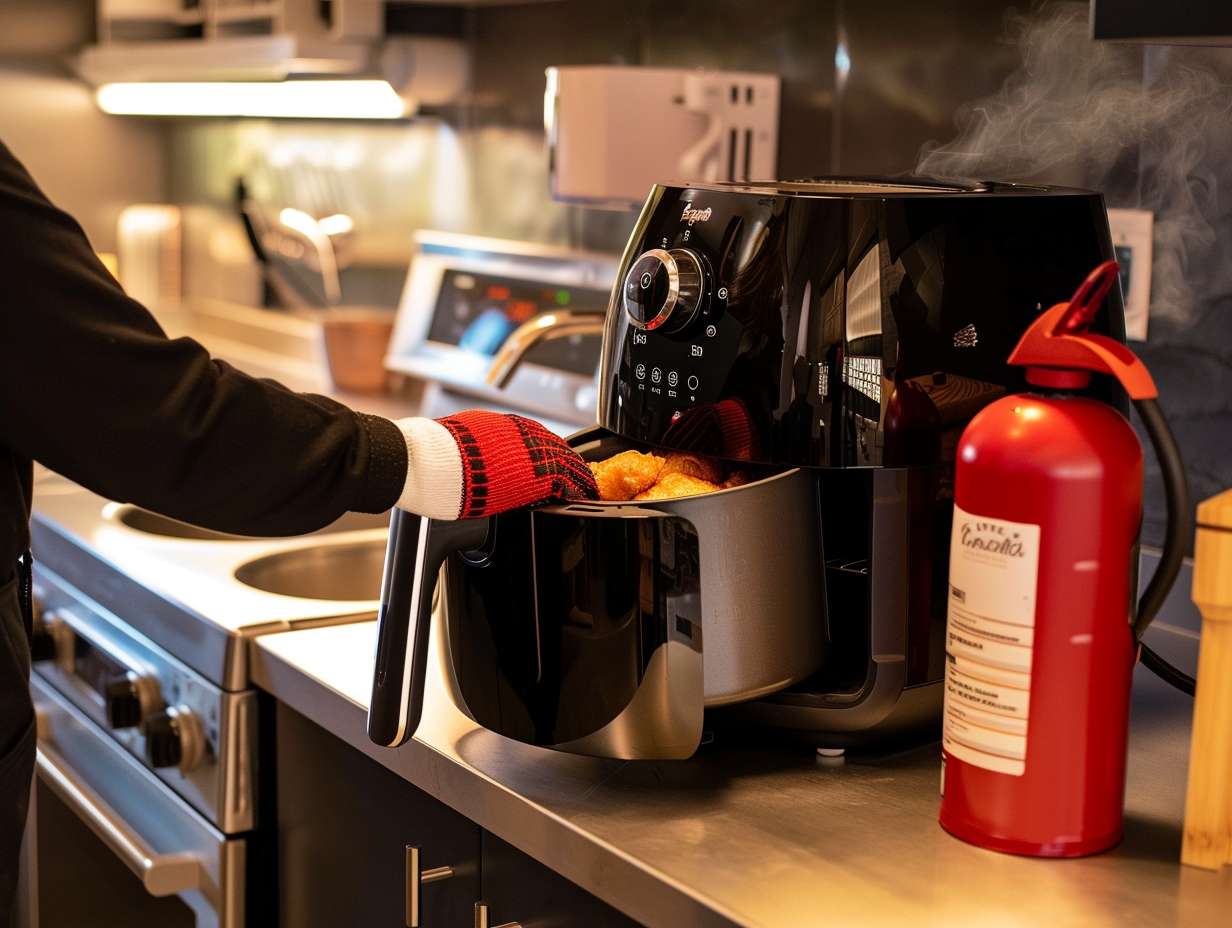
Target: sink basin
335	572
154	524
49	483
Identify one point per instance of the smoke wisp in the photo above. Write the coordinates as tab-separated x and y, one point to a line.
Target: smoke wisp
1148	126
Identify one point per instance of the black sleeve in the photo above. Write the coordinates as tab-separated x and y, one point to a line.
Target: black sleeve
91	387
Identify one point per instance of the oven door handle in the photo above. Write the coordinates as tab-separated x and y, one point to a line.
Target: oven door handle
160	874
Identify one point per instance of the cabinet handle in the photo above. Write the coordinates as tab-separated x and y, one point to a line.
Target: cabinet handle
481	918
415	880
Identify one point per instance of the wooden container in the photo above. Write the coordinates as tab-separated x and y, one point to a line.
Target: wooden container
355	344
1208	807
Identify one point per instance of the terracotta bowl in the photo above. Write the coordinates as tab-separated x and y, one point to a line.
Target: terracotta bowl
356	341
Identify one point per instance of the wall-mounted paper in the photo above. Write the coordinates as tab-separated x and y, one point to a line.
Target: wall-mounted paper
1131	238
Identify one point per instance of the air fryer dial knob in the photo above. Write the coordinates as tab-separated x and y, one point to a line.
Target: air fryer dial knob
174	738
663	289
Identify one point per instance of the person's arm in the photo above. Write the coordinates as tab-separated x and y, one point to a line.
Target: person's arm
92	388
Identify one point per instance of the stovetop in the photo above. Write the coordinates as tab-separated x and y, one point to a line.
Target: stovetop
183	593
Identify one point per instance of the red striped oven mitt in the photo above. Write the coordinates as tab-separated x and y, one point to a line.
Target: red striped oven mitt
480	463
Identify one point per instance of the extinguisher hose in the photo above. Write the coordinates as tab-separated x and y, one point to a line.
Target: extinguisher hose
1179	532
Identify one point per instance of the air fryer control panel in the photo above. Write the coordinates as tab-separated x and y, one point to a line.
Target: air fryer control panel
679	337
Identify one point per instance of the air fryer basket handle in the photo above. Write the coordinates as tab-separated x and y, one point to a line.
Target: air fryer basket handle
417	548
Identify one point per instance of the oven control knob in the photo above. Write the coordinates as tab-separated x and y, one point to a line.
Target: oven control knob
174	738
43	643
663	289
51	637
123	702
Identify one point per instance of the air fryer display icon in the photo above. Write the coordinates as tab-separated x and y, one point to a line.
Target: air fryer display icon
966	337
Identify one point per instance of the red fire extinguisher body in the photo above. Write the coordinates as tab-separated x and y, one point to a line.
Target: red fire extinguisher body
1040	650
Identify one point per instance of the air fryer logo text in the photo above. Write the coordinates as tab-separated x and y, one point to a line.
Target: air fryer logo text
985	536
691	215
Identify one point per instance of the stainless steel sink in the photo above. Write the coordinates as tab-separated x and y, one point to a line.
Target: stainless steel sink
154	524
328	571
49	483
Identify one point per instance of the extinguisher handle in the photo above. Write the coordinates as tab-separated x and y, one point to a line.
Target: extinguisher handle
1180	528
1087	300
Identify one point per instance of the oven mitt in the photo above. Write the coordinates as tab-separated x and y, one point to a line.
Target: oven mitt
478	463
724	429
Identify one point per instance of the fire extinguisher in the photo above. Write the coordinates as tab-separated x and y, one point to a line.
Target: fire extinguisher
1042	634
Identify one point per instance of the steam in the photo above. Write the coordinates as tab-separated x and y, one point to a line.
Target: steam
1148	126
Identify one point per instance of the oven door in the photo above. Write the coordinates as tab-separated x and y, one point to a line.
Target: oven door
114	845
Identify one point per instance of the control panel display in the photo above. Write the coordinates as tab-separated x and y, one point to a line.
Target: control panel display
477	312
692	331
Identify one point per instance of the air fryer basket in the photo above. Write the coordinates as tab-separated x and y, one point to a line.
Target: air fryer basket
607	627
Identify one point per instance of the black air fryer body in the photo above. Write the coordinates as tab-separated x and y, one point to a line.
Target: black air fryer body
860	325
830	339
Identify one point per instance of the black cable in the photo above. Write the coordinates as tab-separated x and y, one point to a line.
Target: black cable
1176	543
1165	671
1180	513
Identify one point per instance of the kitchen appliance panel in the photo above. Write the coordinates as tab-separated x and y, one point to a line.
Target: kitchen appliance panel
121	681
169	848
477	311
464	298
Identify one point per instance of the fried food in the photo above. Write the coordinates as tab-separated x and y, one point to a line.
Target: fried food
633	475
737	478
692	465
671	486
623	476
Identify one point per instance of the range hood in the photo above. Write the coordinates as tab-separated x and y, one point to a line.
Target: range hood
1176	22
240	58
268	58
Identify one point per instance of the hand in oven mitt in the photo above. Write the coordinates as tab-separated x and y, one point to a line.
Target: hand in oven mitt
480	463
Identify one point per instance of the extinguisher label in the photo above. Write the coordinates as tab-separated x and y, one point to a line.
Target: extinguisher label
990	633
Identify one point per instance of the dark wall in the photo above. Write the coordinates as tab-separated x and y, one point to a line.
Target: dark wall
909	65
1005	92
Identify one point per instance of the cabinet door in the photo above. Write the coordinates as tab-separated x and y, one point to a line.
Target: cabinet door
344	822
517	888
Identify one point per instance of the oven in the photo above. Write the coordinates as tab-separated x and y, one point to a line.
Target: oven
144	809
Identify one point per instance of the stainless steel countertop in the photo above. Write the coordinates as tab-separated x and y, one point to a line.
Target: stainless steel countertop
768	835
